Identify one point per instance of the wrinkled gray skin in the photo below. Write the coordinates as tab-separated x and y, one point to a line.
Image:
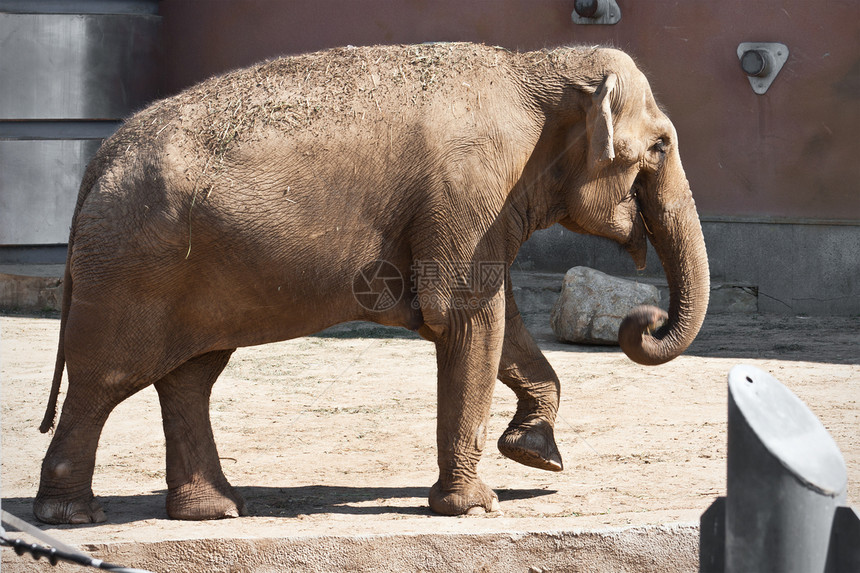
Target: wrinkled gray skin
240	212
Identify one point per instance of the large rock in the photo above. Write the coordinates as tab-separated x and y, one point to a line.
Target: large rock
593	304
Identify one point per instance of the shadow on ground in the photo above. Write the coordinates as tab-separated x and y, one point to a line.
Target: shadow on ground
822	339
360	329
286	502
831	340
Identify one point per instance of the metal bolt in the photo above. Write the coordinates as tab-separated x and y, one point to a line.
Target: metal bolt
761	62
590	8
756	63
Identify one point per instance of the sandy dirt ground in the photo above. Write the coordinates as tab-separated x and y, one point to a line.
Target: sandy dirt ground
334	434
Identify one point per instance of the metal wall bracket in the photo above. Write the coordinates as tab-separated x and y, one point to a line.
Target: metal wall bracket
761	62
596	12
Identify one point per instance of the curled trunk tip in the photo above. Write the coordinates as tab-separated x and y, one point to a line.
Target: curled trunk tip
640	334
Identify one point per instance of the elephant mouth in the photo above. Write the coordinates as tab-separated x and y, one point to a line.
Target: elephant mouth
637	248
637	244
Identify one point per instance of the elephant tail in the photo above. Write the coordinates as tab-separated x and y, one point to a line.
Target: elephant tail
51	411
91	175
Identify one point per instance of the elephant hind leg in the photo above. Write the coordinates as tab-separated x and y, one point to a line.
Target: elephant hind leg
197	488
65	490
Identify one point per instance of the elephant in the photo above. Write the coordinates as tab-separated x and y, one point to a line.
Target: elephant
274	201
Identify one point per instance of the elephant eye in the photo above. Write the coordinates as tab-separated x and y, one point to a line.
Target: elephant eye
660	146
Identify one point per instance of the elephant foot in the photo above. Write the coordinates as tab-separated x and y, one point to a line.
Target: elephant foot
470	499
85	509
532	444
200	500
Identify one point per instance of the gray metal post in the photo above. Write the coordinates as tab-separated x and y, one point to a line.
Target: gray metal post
786	481
786	477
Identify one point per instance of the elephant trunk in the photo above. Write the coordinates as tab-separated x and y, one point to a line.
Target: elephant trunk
677	237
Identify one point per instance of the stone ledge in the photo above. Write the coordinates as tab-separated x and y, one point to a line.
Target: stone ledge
31	287
660	548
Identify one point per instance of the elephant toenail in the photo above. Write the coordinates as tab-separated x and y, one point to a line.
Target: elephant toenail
495	506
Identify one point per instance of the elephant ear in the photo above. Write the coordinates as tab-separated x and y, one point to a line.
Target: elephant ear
601	148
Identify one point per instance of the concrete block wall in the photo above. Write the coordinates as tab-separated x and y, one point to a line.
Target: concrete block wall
796	268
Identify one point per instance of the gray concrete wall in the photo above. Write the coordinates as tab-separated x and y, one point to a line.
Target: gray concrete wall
800	267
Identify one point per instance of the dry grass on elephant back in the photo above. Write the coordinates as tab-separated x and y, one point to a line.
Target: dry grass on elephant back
310	92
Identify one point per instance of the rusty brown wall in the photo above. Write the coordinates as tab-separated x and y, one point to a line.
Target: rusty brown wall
791	153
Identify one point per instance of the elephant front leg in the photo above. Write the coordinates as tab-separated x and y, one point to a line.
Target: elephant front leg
467	358
197	488
529	438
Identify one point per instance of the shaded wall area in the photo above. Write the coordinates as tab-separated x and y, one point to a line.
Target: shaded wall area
787	154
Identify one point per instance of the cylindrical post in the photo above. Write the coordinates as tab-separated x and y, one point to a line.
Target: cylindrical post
786	477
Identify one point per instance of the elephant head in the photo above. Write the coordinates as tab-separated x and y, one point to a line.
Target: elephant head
624	181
